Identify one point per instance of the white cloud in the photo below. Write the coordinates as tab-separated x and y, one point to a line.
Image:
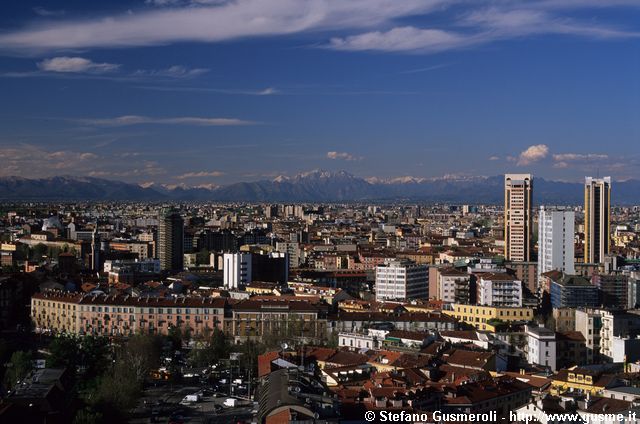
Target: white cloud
477	27
533	154
75	65
26	160
41	11
566	160
425	69
494	157
173	3
175	71
211	23
495	23
267	92
174	21
569	157
401	39
31	161
342	156
201	174
183	120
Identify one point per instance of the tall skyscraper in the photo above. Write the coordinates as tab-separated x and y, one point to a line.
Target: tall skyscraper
171	241
95	250
556	232
597	218
517	217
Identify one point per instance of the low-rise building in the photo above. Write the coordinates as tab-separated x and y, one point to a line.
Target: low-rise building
453	285
573	291
296	319
484	317
401	280
499	289
123	315
541	347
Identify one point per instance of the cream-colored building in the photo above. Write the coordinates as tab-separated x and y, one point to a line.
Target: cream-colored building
480	316
517	217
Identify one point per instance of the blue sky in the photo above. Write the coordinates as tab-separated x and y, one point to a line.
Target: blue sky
207	92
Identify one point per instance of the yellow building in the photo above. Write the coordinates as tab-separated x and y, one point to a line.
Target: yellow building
479	316
260	288
419	308
353	305
584	380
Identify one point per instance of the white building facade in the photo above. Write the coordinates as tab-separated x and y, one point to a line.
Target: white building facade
237	270
541	347
499	289
556	232
401	280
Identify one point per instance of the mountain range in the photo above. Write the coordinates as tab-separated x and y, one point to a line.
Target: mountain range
314	186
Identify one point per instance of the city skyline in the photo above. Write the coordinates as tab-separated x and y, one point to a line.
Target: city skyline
241	91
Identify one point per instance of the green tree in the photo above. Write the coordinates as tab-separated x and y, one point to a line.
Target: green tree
332	341
87	353
88	415
140	354
19	366
38	251
250	351
211	349
202	257
175	336
117	393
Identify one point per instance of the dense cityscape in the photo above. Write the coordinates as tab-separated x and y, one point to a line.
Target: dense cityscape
320	312
320	211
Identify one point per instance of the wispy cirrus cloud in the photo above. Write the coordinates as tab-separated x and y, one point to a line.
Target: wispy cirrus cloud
181	120
201	174
33	161
78	67
41	11
425	69
269	91
401	39
75	65
566	160
175	71
579	156
27	159
211	21
478	27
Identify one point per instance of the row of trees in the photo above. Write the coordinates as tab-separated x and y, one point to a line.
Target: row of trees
107	378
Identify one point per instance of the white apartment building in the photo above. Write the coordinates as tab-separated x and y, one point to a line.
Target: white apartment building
499	289
237	270
401	280
453	286
556	232
541	347
357	341
589	323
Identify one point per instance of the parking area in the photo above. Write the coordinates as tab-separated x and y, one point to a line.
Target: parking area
171	403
